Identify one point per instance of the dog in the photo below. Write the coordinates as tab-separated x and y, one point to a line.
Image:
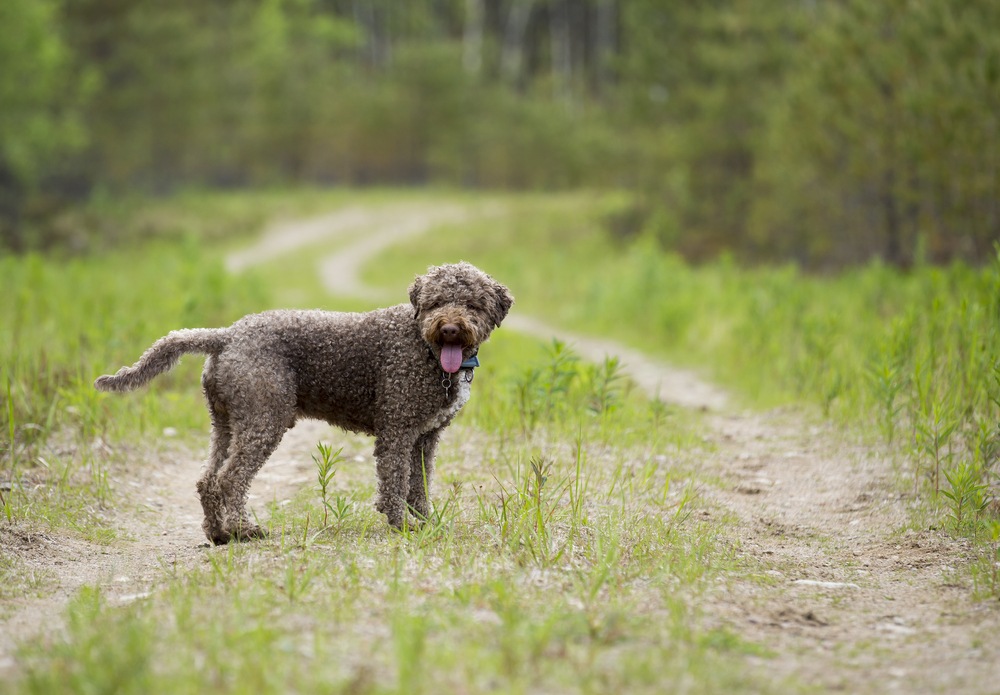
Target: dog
400	373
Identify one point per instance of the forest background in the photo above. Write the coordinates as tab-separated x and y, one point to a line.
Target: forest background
826	132
799	200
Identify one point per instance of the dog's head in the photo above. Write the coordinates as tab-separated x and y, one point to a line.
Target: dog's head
458	306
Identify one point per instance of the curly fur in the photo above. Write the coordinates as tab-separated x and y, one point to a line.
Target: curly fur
379	373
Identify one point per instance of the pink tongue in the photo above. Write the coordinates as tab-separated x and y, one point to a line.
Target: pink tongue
451	358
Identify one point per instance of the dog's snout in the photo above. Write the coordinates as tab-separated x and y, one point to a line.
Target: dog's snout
450	332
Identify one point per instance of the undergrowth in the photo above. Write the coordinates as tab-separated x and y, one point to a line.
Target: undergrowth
911	357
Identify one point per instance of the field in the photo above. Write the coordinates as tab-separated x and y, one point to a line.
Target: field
808	506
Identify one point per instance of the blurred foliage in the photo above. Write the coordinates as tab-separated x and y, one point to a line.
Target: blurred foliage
64	321
888	140
825	132
40	97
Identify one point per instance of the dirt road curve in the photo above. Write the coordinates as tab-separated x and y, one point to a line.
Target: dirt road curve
845	597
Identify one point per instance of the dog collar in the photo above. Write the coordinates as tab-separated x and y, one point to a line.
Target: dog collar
468	364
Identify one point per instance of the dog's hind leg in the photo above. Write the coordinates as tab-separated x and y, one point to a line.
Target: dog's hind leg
249	450
208	490
212	503
251	422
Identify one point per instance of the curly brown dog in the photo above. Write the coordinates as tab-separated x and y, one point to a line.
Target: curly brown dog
400	374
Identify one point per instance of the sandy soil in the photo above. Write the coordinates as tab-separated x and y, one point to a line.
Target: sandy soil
843	595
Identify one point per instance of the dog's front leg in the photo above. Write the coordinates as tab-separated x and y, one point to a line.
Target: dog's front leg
392	467
421	471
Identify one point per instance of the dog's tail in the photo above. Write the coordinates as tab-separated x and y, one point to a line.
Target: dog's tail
163	355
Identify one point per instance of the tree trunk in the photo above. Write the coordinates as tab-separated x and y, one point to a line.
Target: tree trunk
893	228
12	196
562	55
894	252
472	39
604	44
376	51
512	55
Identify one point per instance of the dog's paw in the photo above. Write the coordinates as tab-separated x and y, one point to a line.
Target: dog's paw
248	531
214	532
252	534
394	509
244	529
219	538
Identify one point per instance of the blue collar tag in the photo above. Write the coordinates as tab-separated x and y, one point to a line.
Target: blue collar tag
470	363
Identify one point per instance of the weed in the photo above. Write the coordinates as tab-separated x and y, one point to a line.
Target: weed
985	446
886	379
298	577
527	509
986	570
542	388
11	428
933	437
578	486
994	556
967	497
684	508
442	516
533	489
603	385
341	508
19	579
326	465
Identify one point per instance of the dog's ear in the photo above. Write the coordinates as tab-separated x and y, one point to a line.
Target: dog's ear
418	283
503	300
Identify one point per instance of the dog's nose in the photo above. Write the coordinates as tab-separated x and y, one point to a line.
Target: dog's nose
449	332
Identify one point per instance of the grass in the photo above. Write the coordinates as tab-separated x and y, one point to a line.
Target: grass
575	571
565	553
377	615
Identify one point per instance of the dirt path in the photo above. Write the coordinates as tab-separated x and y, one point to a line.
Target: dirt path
844	597
849	599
